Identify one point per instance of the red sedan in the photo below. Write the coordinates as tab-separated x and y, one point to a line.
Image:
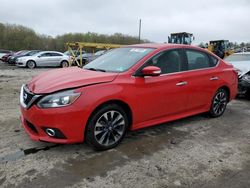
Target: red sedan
125	89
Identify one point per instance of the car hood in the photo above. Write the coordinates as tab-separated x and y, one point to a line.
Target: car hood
243	66
20	56
66	78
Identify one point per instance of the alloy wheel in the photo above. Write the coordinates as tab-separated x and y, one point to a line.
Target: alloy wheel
109	128
219	103
65	64
31	64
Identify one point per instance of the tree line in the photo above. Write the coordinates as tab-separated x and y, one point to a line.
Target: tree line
17	37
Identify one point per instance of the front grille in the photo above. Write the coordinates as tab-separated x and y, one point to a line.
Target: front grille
27	98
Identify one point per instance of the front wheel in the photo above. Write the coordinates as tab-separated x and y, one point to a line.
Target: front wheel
219	103
31	64
107	127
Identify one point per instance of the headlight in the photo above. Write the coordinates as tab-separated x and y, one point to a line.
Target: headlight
59	99
246	77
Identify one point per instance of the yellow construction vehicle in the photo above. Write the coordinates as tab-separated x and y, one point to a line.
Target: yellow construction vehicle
220	48
181	38
76	48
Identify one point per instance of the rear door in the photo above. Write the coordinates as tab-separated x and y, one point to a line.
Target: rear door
202	78
56	59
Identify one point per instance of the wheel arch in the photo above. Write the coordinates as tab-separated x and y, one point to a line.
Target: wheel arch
32	61
227	89
64	61
119	102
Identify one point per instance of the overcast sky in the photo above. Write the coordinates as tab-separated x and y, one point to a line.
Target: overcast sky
208	20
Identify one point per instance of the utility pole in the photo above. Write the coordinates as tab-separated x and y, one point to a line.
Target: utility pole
139	39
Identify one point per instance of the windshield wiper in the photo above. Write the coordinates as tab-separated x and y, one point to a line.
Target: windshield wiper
94	69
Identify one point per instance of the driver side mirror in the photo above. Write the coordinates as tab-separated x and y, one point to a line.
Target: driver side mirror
151	71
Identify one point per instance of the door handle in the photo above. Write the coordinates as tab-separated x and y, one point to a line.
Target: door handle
214	78
181	83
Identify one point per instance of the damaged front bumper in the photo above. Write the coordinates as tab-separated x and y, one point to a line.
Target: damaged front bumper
244	84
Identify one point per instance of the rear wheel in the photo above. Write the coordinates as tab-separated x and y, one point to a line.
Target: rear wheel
31	64
219	103
64	64
107	127
247	95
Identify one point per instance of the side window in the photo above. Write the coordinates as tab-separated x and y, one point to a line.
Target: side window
213	61
45	55
168	61
55	54
197	60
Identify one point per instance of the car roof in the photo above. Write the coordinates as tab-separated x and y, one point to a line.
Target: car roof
242	53
163	46
50	52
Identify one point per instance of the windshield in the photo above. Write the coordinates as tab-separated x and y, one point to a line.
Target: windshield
32	53
118	60
100	52
238	57
21	52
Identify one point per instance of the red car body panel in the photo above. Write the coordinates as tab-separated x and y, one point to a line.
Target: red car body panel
152	100
67	78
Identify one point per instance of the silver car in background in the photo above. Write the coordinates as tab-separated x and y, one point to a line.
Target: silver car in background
44	59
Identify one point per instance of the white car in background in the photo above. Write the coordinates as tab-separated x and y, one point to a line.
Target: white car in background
44	59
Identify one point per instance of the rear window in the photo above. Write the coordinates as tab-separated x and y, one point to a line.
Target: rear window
213	61
197	60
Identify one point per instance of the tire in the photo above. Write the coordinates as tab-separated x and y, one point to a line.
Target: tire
106	127
247	95
31	64
219	103
64	64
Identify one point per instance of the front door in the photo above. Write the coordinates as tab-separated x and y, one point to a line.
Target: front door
44	59
164	95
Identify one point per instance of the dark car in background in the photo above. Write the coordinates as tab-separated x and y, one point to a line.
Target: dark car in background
74	52
241	61
84	57
88	57
13	59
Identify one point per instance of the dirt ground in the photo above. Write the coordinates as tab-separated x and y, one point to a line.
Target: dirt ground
193	152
